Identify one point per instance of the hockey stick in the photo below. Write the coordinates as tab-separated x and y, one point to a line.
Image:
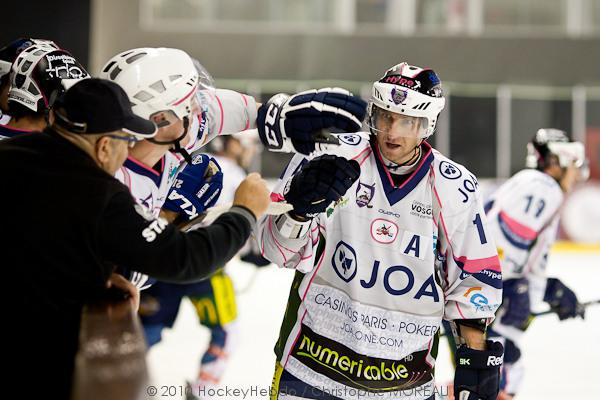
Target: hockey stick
214	212
583	306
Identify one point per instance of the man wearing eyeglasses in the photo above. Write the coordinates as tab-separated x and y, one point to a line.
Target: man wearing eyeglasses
68	223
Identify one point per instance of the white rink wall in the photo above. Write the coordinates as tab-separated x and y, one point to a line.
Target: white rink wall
561	357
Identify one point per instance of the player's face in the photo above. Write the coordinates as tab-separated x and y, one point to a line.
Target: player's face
174	126
397	135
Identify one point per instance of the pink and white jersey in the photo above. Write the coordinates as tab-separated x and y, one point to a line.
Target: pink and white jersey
523	216
379	270
225	112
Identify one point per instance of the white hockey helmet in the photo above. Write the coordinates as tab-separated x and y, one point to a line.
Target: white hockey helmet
41	73
408	90
155	79
556	142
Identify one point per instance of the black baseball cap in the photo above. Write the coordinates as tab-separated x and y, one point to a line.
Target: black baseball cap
93	106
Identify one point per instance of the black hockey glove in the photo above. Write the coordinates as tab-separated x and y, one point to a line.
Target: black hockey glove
477	375
562	300
321	181
294	124
516	308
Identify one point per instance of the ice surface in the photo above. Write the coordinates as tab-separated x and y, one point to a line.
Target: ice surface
562	358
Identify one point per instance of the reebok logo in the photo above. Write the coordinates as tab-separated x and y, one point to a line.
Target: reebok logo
494	361
465	361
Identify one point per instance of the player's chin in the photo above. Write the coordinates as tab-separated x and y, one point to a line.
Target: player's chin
393	151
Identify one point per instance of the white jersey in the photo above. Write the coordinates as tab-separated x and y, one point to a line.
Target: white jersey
379	270
227	112
523	215
224	112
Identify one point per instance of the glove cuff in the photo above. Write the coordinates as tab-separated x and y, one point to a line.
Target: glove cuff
290	228
493	357
270	124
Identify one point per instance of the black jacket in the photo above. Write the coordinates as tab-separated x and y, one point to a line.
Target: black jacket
66	224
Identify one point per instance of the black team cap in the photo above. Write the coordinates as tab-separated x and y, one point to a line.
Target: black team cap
94	106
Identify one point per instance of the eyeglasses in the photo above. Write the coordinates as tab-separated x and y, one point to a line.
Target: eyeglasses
132	140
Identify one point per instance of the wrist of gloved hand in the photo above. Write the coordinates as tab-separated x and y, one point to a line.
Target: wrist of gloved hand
516	308
477	375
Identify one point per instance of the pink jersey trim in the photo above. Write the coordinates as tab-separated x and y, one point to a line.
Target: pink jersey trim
222	114
142	165
412	175
277	198
16	129
524	231
478	265
246	104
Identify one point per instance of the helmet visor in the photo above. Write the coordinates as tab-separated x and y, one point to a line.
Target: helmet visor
385	121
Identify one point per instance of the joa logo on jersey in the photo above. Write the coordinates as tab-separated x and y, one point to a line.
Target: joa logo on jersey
344	261
397	280
384	231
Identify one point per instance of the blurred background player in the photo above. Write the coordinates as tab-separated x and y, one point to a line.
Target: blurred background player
523	216
373	279
38	75
213	299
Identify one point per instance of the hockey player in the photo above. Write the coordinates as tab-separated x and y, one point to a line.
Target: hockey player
213	299
523	217
165	86
39	74
388	237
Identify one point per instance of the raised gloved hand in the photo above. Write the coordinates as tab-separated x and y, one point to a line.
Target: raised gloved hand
477	375
321	181
516	308
562	300
294	123
196	187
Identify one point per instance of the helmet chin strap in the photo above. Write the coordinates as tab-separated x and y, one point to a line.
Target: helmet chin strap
176	143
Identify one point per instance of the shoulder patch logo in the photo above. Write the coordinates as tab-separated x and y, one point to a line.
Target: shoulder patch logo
351	139
364	194
449	170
